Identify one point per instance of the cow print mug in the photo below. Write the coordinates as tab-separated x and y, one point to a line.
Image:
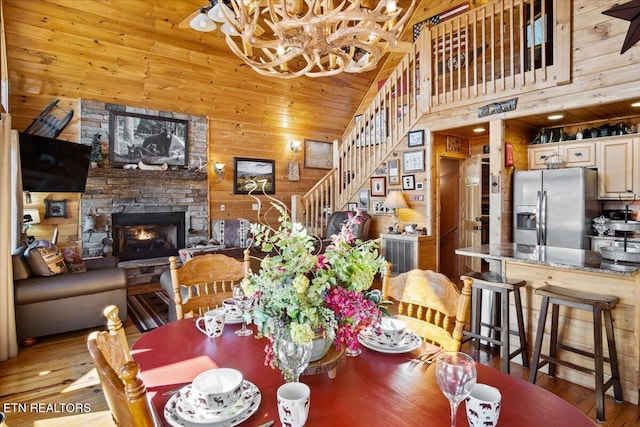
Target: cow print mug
483	406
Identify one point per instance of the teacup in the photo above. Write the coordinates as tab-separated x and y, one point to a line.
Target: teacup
213	323
390	331
483	406
217	388
293	404
231	309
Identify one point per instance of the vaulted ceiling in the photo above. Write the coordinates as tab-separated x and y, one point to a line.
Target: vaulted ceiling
132	52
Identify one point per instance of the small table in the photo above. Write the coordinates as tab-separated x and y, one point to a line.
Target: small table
372	389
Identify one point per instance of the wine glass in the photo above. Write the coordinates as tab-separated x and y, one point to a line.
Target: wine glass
293	357
456	375
243	301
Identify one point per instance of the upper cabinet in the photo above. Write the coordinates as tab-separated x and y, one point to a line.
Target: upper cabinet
618	168
617	159
576	154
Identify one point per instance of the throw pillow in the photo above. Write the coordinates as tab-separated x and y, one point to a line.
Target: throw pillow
45	259
21	269
74	262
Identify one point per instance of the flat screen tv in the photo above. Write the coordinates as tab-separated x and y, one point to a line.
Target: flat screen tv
53	165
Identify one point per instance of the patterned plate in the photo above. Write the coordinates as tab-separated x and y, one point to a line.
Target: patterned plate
179	411
409	343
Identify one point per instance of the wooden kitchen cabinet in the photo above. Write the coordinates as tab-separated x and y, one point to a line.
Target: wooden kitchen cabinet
576	154
405	251
618	168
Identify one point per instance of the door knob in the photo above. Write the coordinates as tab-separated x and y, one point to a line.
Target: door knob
477	227
479	218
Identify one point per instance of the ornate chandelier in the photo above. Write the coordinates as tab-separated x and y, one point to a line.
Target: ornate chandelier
291	38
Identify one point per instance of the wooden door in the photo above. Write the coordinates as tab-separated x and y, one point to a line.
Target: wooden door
472	210
449	239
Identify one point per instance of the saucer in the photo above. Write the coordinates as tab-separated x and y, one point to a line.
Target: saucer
180	411
235	320
409	343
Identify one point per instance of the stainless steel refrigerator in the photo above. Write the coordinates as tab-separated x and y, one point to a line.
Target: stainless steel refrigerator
555	207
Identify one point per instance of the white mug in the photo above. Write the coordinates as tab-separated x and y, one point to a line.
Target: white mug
293	404
483	406
213	323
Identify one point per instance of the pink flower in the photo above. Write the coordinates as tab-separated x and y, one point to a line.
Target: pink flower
353	312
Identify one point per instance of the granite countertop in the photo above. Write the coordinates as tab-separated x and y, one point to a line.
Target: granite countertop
616	238
577	259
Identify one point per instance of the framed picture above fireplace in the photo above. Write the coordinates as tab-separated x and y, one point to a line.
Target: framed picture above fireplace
153	140
248	170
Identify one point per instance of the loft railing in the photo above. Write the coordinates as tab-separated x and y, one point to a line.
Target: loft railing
498	50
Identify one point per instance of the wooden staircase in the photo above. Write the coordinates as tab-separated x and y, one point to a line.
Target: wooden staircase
481	56
368	141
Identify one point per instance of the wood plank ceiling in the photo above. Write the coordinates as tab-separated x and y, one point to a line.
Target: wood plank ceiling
131	52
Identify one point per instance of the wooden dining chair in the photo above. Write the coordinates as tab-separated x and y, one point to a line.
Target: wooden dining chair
124	391
432	306
204	281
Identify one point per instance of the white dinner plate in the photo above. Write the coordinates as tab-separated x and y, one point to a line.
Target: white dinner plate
180	413
409	343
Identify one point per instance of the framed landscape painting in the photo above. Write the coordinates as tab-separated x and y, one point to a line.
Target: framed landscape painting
247	171
152	140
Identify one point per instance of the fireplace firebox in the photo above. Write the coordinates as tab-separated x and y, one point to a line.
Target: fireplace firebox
147	235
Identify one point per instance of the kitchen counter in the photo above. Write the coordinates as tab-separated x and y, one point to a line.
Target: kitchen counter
578	269
576	259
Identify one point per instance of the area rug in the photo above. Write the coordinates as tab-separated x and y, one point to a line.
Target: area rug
148	311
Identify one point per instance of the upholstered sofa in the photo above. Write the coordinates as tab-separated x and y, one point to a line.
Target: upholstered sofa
51	304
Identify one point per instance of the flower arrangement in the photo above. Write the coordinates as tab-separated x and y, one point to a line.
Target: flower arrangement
304	292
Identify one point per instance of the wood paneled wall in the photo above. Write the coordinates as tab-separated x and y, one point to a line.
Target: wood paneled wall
132	53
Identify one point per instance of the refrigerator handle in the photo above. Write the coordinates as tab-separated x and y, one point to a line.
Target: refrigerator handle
543	219
538	219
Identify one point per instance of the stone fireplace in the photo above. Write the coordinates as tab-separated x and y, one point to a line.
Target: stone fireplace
178	196
147	235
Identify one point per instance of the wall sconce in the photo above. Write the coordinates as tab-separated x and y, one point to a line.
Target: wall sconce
295	146
218	168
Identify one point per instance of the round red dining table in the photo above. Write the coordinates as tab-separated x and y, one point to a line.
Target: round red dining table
373	389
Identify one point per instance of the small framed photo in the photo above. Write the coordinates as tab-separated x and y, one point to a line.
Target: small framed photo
363	200
416	138
55	208
378	186
420	186
408	182
378	209
393	171
248	172
352	207
413	161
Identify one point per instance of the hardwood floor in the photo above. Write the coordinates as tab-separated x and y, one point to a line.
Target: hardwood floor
58	372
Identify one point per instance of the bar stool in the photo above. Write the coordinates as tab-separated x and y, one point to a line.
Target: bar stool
597	304
500	288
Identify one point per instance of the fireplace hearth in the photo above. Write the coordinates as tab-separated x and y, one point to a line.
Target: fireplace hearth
147	235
